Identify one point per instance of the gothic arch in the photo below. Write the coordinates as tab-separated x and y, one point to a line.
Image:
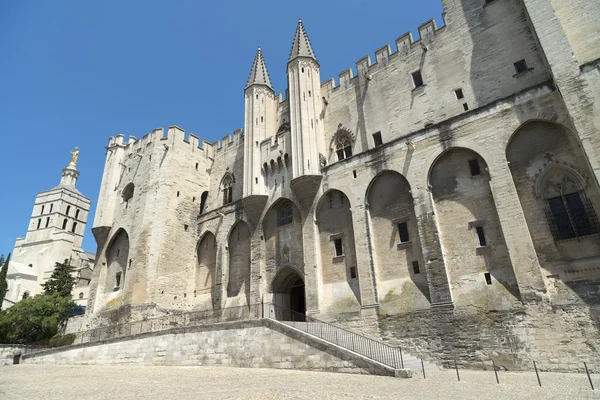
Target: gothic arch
436	154
282	230
396	244
470	232
550	171
239	246
205	273
375	179
339	269
117	258
288	288
226	187
545	118
542	178
341	145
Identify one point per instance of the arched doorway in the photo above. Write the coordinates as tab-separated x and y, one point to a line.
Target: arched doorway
289	295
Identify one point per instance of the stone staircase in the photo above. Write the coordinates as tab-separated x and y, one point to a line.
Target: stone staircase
362	345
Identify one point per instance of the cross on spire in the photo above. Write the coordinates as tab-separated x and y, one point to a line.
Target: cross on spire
301	46
259	74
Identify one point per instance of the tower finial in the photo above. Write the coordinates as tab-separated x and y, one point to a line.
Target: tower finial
259	75
74	157
301	46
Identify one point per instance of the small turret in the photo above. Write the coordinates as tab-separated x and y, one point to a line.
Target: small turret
306	127
259	122
301	46
259	75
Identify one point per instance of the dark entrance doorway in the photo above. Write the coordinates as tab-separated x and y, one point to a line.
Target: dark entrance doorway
289	296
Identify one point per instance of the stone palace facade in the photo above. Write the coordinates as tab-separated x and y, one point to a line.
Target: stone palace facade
443	195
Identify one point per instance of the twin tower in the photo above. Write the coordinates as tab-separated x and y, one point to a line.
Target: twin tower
295	122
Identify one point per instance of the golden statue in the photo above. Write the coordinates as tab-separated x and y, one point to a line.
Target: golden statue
74	157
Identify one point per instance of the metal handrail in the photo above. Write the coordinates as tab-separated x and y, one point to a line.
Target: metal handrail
360	344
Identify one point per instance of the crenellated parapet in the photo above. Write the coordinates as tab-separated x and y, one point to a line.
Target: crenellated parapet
179	138
405	45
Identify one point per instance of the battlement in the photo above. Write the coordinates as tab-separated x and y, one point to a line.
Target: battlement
405	46
177	137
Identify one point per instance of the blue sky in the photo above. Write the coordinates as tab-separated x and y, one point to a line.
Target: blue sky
74	73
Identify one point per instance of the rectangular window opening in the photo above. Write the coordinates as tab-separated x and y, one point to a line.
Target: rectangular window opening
466	107
474	166
285	216
417	79
117	280
185	227
416	270
255	180
403	232
177	193
459	94
488	278
521	66
339	250
481	236
377	141
354	174
352	272
196	166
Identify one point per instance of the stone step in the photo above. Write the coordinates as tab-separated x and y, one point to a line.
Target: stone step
360	344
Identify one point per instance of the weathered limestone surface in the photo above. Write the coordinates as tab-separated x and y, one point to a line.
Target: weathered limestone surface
252	344
8	352
493	170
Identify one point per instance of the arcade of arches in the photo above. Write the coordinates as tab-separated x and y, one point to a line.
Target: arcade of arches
558	200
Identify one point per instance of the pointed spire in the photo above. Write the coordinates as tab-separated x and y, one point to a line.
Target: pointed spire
259	74
301	46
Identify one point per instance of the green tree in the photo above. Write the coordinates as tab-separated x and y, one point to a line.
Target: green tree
3	283
61	281
34	319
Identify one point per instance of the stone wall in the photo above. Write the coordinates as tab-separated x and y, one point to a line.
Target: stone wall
252	344
556	338
8	352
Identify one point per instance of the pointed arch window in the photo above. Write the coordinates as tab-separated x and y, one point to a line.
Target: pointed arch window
227	188
569	212
343	145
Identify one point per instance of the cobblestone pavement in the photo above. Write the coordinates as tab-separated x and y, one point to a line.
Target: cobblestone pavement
176	383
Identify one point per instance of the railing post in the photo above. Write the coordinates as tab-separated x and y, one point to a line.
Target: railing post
401	359
495	372
588	375
537	374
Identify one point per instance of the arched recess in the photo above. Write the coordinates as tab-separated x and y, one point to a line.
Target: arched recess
205	287
282	228
477	259
117	255
289	295
203	199
238	285
339	272
127	193
400	271
560	199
